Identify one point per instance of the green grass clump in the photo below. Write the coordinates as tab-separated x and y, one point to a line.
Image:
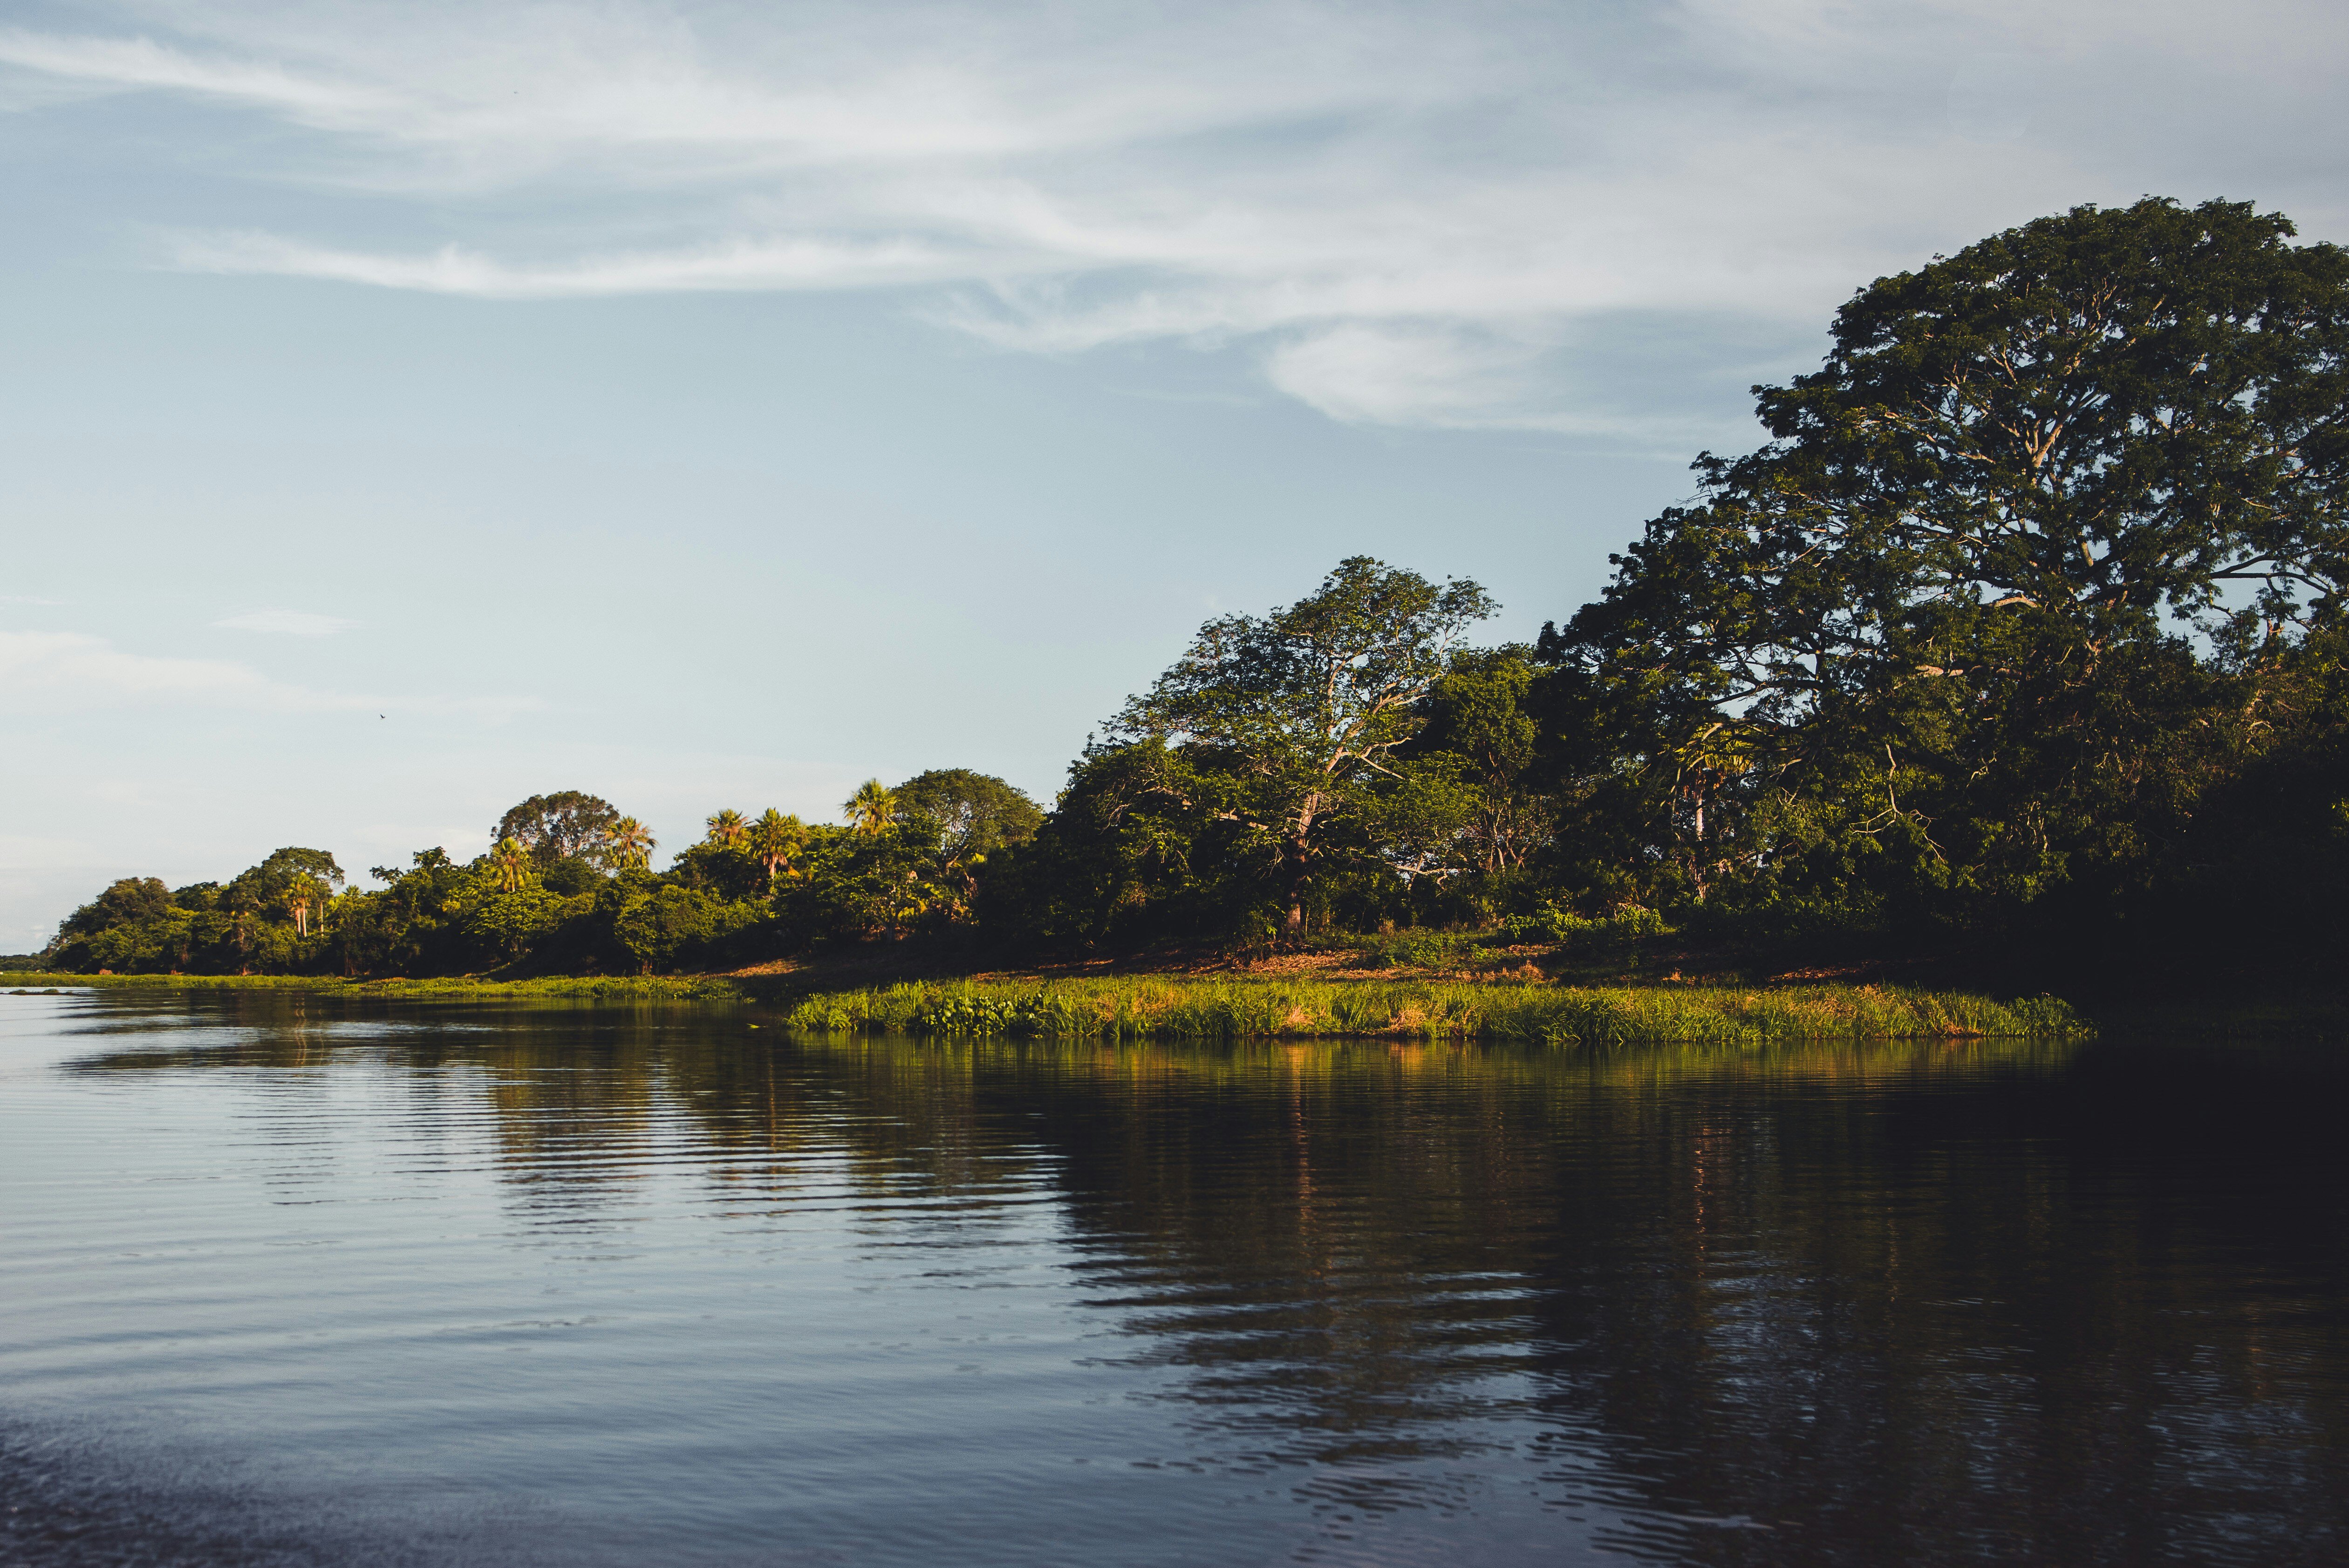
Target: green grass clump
1234	1009
1175	1007
1418	949
1425	948
1577	932
618	987
51	981
625	988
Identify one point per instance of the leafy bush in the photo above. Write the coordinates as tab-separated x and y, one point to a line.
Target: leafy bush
1578	933
1787	922
1417	949
675	923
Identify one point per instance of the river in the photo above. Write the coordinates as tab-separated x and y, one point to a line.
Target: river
296	1279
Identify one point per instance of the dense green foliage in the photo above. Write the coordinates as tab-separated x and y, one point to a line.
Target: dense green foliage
556	896
1332	764
566	825
2021	621
2025	632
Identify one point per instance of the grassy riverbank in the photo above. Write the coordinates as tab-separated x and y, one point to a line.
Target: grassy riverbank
1215	1009
1228	1007
616	988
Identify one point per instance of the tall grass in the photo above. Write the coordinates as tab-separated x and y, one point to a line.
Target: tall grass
628	987
1422	948
1211	1008
1219	1009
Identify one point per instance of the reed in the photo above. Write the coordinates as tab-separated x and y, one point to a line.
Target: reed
1237	1010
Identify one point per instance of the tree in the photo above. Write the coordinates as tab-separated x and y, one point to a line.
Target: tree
571	878
511	863
567	824
300	899
419	924
508	919
855	884
629	843
1307	710
1993	604
871	809
775	842
129	900
664	925
727	829
1478	717
91	936
976	814
295	879
242	902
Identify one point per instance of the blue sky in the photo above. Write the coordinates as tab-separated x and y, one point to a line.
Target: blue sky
410	408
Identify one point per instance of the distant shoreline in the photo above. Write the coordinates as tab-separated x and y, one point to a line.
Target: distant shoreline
651	987
1189	1007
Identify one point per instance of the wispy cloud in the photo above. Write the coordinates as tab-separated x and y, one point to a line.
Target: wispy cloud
452	270
47	671
1411	214
287	622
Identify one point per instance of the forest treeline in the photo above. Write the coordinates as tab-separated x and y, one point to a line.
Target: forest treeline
568	887
2021	632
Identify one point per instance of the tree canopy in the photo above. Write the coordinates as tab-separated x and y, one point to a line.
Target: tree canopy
1995	602
2015	457
569	824
1296	721
976	812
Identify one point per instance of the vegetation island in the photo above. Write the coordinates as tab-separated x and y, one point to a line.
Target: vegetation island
2017	652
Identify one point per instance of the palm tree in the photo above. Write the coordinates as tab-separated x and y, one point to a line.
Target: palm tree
776	840
242	902
512	862
871	809
300	896
727	828
632	843
958	874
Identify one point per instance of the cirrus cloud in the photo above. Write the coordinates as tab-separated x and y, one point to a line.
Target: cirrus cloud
1409	215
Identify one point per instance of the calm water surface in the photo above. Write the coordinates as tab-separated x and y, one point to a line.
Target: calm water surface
291	1280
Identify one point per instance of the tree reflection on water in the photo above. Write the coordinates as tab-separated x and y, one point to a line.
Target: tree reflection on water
1837	1302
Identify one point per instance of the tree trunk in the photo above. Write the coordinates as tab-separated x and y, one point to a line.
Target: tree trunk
1696	855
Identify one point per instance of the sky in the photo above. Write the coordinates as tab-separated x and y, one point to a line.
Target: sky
410	408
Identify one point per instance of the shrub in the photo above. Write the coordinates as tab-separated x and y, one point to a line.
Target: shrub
1579	932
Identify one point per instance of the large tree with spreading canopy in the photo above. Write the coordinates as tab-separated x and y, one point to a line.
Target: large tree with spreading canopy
569	824
1295	724
2002	579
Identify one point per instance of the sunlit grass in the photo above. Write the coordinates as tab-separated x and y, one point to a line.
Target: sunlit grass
1234	1009
1181	1007
645	987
